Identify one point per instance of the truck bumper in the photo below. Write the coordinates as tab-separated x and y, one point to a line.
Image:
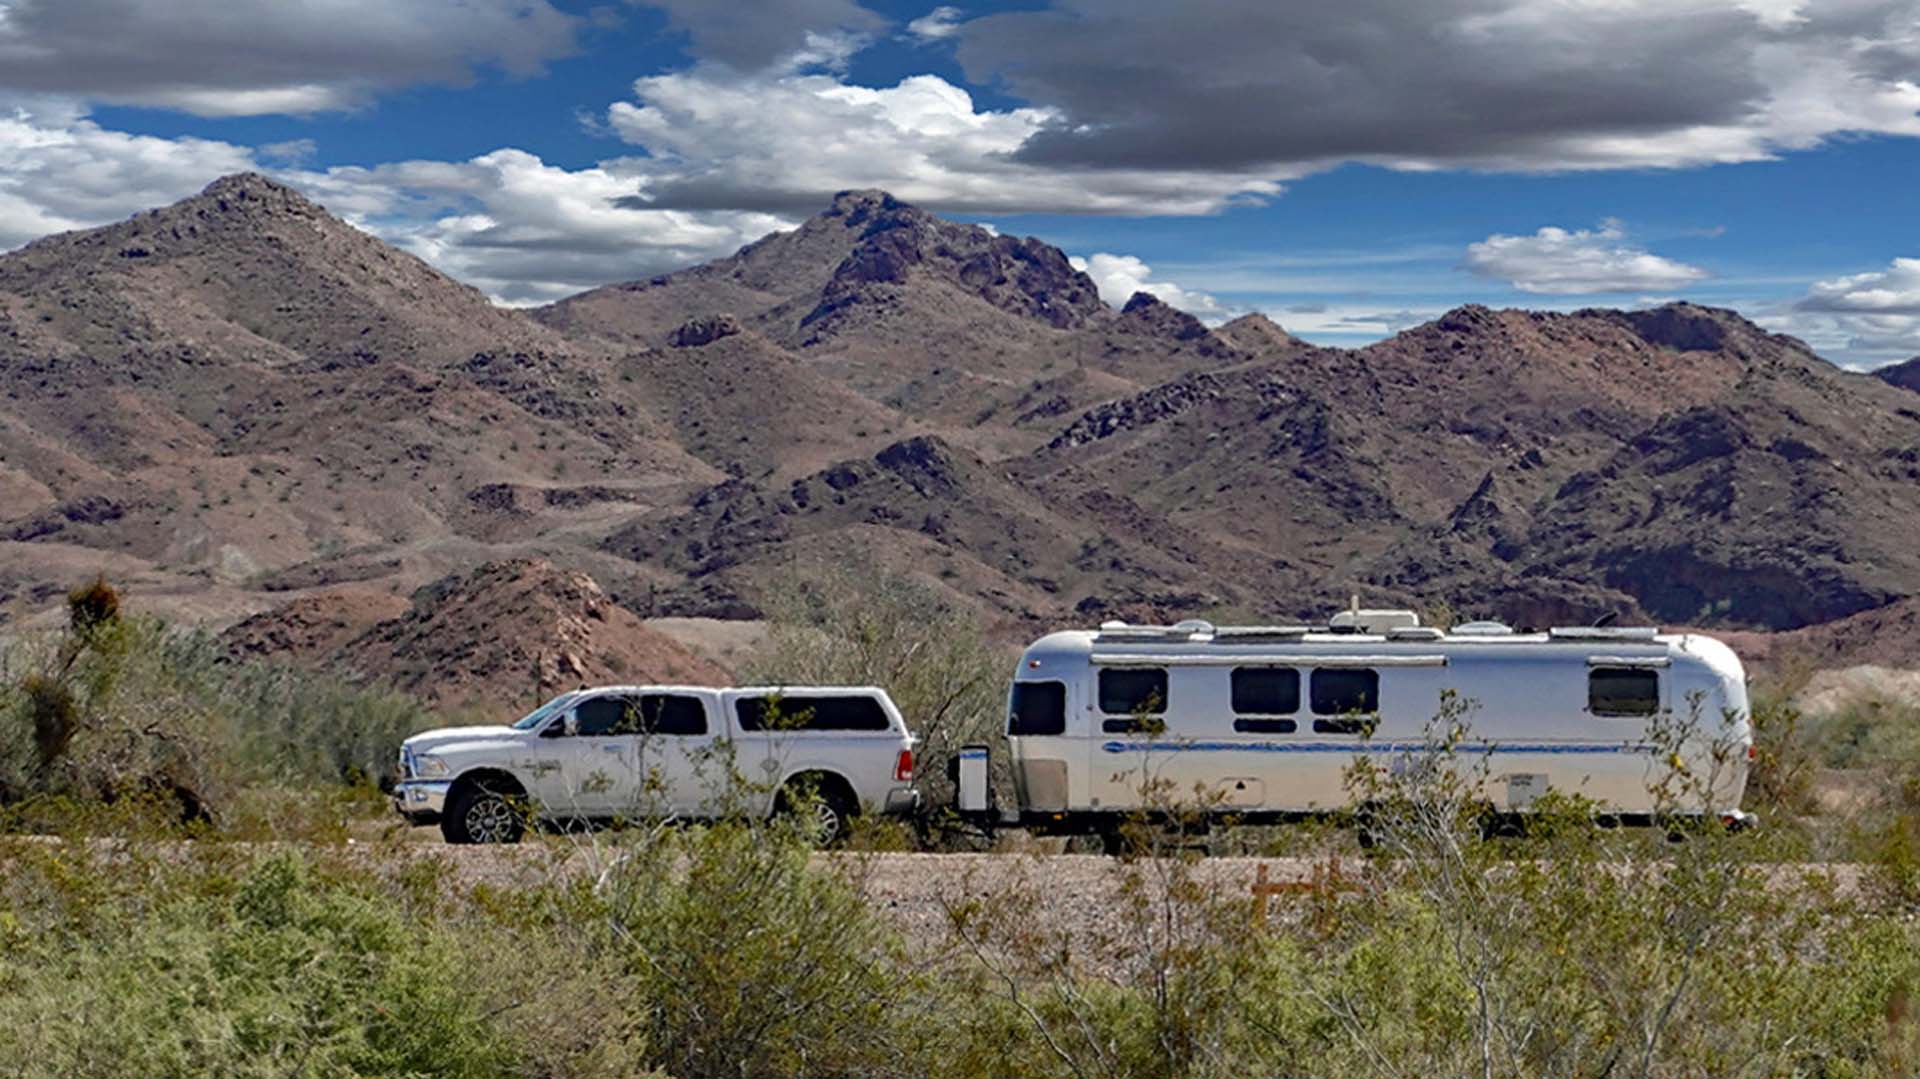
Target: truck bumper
903	800
421	800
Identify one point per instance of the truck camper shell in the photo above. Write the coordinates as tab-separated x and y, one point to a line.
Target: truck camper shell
1262	722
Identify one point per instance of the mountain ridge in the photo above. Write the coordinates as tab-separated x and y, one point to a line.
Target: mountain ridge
240	401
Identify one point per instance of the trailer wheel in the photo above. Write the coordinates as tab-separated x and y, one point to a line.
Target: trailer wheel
1366	828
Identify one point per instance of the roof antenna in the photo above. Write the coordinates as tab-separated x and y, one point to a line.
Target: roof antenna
1605	619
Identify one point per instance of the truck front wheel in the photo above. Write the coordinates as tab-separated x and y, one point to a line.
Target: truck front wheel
482	812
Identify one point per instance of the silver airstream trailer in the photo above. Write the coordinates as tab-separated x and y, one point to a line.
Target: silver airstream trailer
1263	722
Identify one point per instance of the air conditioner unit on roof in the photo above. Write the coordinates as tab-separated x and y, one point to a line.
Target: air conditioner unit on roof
1374	621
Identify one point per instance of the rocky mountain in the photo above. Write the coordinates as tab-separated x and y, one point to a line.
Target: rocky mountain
923	315
1904	375
500	638
240	405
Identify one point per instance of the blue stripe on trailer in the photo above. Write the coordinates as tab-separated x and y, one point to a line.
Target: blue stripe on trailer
1376	747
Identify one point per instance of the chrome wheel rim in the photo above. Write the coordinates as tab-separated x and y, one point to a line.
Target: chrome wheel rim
826	823
490	820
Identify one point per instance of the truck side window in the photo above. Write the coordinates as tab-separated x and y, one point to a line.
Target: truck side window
1125	691
1037	708
810	713
672	713
601	716
1623	691
1350	694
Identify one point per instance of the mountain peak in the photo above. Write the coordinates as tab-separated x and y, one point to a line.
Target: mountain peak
860	205
248	193
1154	315
1256	333
1904	375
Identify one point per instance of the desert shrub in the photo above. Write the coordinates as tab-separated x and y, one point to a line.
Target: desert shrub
1780	781
831	624
297	725
127	708
276	972
748	962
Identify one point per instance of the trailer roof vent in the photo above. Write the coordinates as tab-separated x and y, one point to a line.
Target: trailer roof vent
1258	634
1603	633
1121	631
1483	629
1372	621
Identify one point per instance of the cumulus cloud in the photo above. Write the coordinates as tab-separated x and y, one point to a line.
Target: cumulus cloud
249	57
507	222
1427	84
1560	262
936	25
784	142
1877	312
751	37
59	171
526	231
1118	277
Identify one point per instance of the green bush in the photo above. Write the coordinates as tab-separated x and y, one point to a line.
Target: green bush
129	709
747	962
283	973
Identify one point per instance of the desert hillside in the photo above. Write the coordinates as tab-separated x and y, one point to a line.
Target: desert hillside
240	407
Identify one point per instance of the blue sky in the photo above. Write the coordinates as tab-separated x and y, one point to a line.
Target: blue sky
1348	174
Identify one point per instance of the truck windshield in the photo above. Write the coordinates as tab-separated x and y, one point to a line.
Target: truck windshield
539	715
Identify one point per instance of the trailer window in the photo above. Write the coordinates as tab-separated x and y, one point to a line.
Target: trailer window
811	713
1352	696
1131	691
1266	691
1037	708
1623	691
664	713
1339	690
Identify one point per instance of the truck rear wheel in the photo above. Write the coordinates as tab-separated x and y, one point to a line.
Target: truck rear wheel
481	812
821	807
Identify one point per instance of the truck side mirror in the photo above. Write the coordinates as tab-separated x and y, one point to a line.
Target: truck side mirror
570	723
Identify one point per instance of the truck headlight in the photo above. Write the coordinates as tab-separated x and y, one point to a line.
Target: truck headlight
429	767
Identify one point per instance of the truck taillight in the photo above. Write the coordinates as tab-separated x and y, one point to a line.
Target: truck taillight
903	767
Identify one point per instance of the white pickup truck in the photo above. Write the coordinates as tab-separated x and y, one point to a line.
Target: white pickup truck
632	752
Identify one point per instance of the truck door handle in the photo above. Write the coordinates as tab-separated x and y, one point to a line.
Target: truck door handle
609	749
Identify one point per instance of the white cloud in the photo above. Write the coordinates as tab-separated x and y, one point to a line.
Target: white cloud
1352	323
250	57
1118	277
1875	313
940	23
787	142
525	231
71	173
506	222
1559	262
